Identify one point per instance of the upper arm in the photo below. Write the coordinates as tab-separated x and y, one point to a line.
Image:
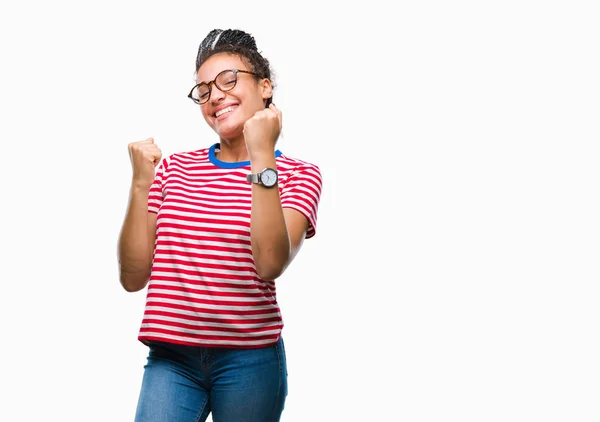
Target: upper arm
300	199
151	234
301	192
297	226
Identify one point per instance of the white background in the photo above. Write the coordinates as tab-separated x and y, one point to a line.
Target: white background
454	275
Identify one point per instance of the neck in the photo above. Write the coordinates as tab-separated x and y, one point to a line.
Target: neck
232	151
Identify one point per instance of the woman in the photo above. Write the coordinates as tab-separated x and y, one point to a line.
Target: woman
208	233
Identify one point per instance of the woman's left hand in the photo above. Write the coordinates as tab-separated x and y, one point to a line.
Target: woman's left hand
262	130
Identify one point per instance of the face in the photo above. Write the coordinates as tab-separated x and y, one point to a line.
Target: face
226	112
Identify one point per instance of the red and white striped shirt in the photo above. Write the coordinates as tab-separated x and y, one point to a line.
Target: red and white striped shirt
204	289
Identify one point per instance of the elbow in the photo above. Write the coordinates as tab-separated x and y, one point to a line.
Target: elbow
269	273
271	262
132	288
133	282
271	269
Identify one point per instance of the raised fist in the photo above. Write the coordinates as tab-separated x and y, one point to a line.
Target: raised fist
262	130
145	156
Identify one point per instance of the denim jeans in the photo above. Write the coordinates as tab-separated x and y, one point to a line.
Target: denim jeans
186	383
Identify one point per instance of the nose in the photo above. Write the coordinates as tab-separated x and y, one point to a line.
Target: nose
216	95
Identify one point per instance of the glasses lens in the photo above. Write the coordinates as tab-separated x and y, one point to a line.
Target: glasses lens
201	93
226	80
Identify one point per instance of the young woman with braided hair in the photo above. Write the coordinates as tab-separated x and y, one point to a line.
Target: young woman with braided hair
208	232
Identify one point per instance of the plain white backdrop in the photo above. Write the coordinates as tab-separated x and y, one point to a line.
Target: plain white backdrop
454	275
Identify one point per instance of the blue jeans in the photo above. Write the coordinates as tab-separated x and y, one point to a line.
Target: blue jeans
186	383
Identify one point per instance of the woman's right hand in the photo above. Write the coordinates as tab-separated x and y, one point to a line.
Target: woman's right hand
145	156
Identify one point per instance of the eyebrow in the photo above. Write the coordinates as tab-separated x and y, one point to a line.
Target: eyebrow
236	68
218	73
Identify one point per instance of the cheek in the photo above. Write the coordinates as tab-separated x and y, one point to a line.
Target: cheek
205	115
253	103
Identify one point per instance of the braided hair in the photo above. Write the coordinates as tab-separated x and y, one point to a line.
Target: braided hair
235	41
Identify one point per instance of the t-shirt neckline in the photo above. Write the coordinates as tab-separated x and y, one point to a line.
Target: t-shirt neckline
223	164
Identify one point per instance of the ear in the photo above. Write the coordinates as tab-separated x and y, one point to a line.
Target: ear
267	89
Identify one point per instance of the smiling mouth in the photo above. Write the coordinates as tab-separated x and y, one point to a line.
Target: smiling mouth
223	111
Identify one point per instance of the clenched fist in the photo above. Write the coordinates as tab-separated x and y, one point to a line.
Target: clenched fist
145	156
262	130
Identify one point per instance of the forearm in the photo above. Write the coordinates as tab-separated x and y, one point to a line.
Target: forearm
269	236
134	251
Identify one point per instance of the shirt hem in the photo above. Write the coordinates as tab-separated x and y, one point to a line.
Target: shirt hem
147	339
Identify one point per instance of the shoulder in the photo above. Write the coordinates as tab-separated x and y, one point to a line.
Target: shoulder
185	158
291	164
299	174
193	156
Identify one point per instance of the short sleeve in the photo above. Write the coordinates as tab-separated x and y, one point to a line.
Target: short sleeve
302	192
155	196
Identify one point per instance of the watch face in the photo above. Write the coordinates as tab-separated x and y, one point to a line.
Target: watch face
268	177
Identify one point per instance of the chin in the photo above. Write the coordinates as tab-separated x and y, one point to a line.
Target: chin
229	131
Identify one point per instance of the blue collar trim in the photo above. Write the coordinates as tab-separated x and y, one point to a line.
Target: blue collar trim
223	164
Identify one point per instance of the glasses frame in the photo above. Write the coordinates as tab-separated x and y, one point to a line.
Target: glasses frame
214	81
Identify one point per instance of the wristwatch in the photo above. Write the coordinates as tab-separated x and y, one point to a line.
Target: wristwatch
268	178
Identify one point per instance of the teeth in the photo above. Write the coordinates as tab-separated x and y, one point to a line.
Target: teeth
223	111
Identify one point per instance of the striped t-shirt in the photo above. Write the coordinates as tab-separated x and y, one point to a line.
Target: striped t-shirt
204	289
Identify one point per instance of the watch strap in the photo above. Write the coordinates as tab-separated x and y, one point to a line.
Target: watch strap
253	178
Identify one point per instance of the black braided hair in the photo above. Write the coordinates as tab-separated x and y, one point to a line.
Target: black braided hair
235	41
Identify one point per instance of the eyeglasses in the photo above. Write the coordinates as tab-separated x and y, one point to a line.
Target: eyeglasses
225	81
